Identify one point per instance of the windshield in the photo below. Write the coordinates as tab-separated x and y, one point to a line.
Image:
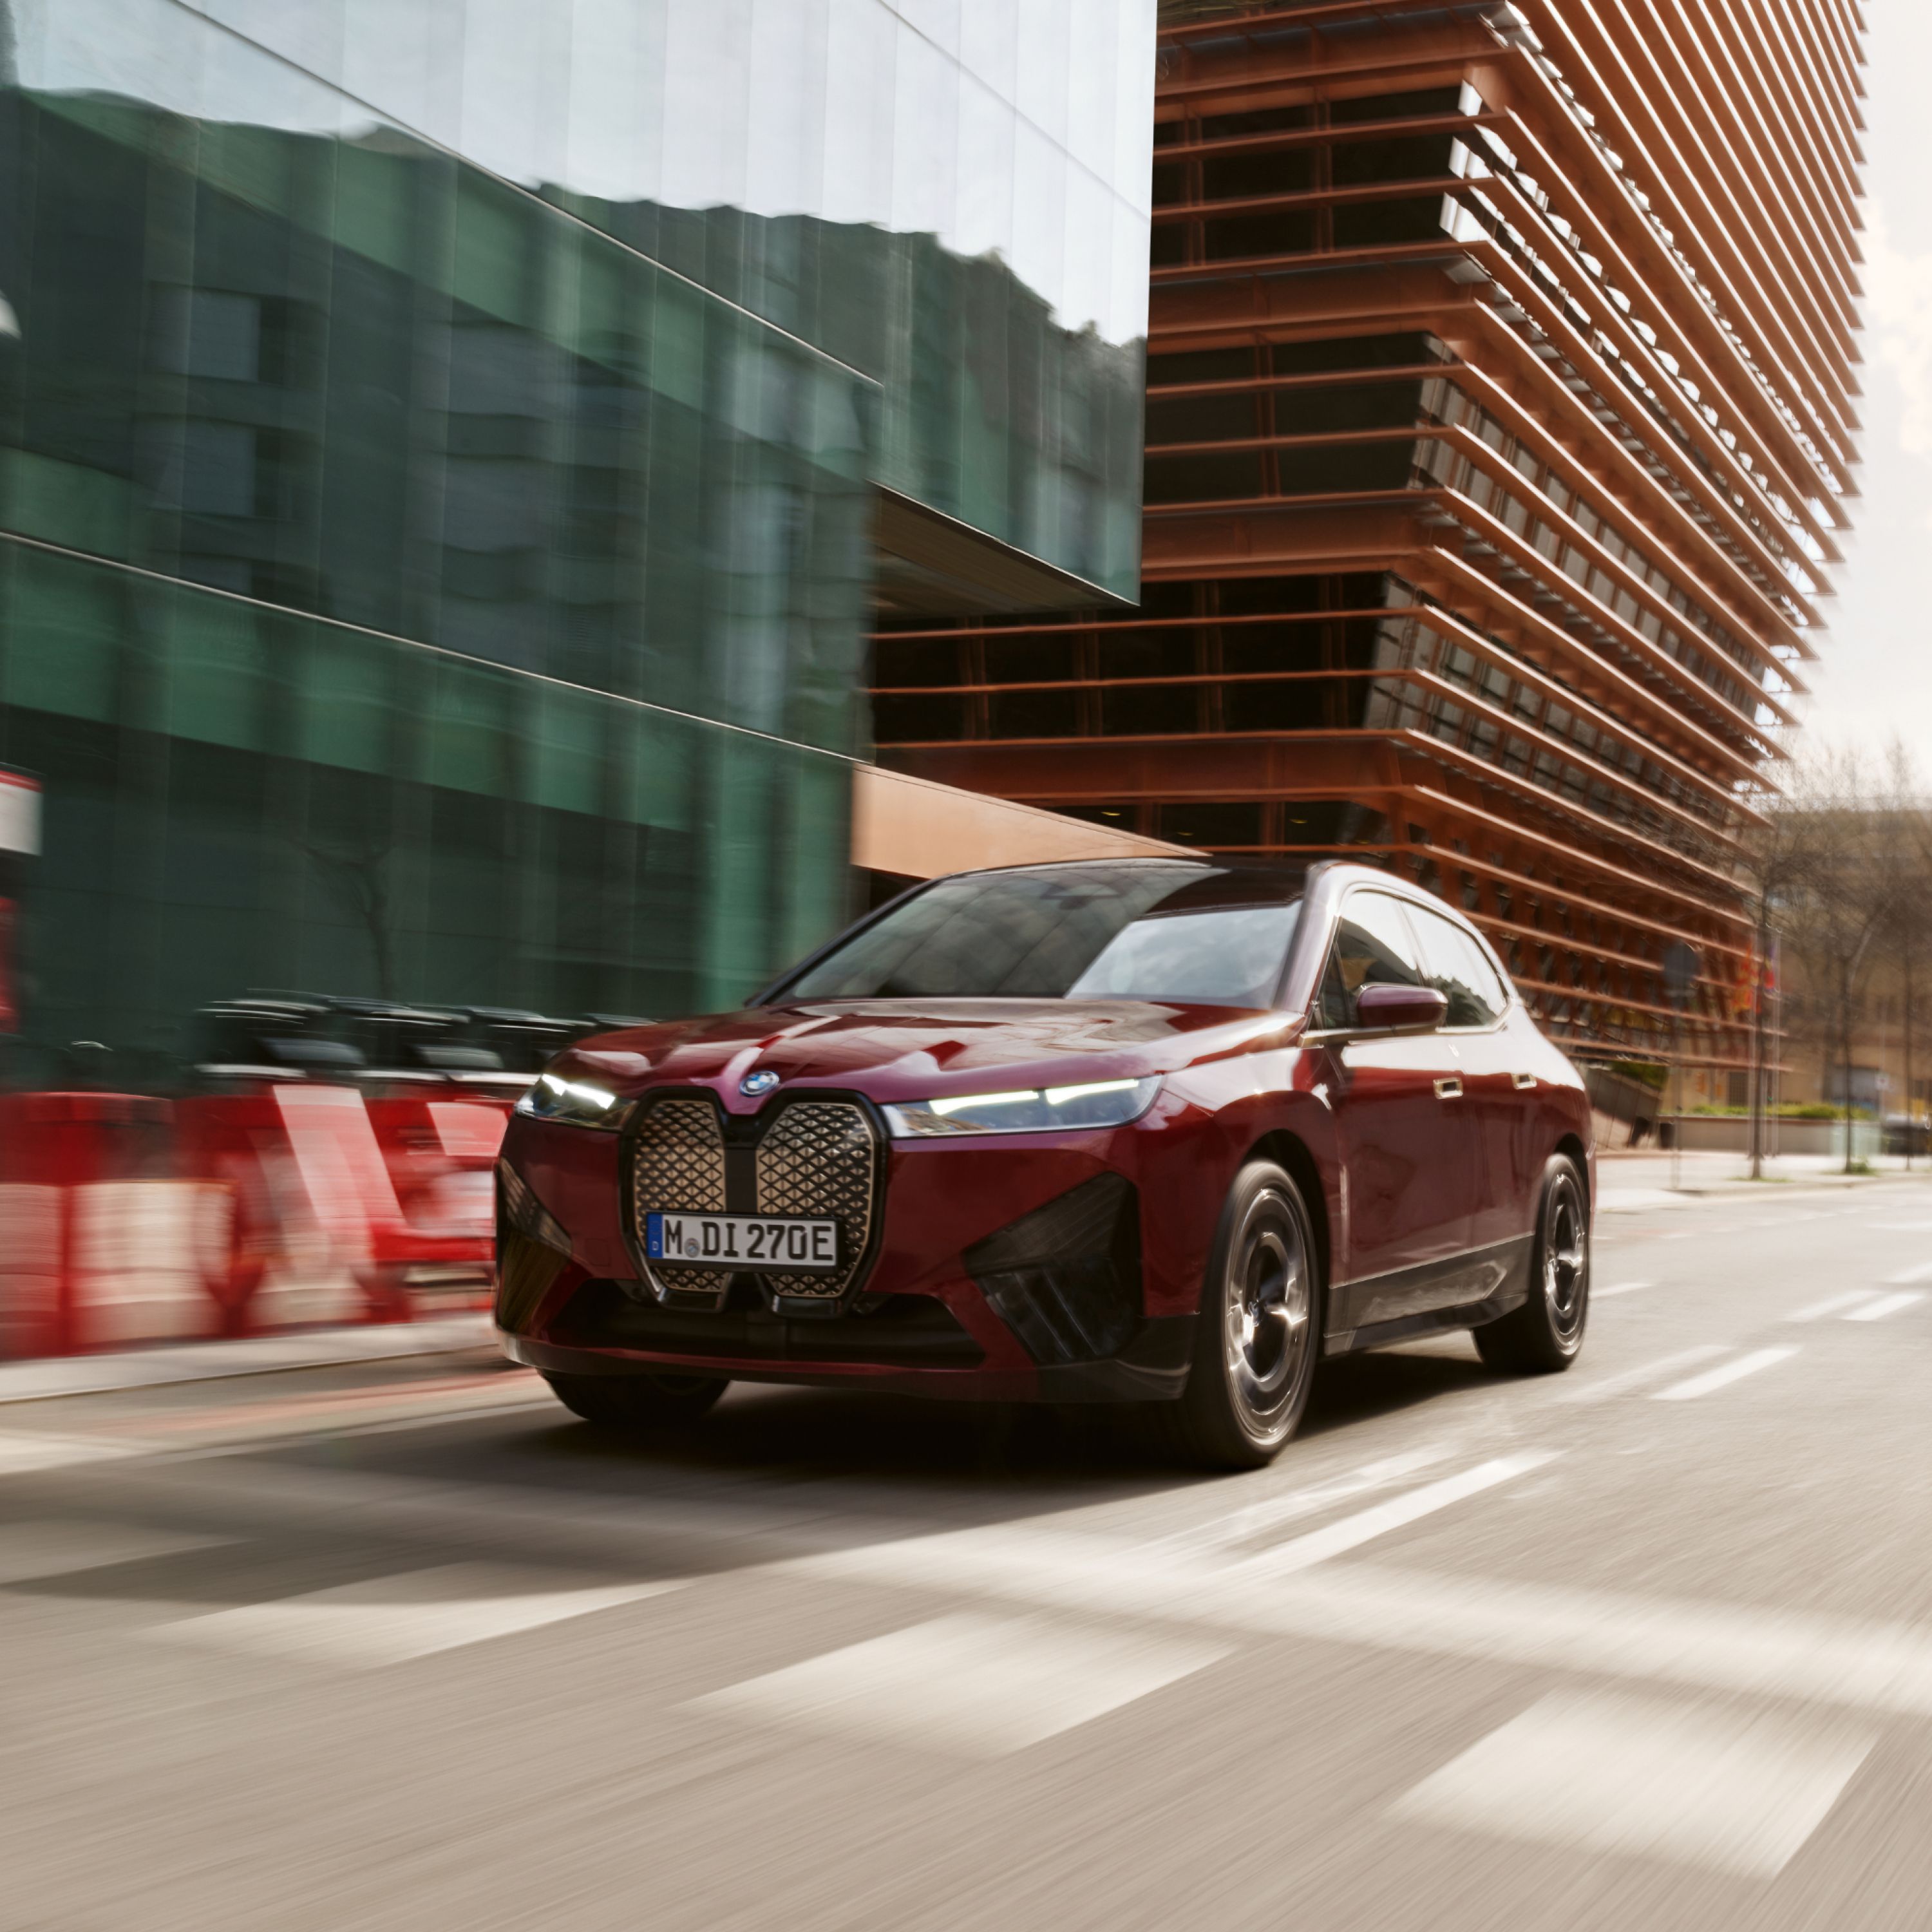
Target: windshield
1152	930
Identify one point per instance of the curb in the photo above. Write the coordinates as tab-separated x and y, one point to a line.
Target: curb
51	1377
1638	1200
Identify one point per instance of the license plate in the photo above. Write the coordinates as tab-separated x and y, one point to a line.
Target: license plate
791	1243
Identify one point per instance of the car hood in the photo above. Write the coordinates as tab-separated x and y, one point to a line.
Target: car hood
897	1050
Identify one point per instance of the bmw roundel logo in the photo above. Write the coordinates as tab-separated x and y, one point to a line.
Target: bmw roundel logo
753	1085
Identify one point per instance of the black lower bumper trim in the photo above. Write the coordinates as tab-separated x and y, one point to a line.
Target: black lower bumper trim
1152	1367
909	1331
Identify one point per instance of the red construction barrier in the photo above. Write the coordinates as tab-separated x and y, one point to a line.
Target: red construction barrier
441	1150
54	1150
125	1218
302	1162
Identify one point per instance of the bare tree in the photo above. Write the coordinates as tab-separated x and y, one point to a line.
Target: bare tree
1844	879
1775	855
355	872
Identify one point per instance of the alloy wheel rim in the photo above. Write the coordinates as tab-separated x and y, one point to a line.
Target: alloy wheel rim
1267	1308
1566	1260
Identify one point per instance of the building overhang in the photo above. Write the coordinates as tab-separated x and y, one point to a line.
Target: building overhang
928	564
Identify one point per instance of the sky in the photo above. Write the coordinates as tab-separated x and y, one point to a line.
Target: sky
1874	675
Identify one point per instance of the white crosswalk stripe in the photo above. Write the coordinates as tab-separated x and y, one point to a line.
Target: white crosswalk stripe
969	1683
1833	1304
33	1552
1613	1773
1605	1386
1723	1376
1351	1532
1889	1304
1248	1524
396	1619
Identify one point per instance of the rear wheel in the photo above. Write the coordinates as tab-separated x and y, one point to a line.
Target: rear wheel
635	1403
1258	1331
1545	1333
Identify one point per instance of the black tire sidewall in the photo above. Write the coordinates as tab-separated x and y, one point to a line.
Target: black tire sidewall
1559	1168
1221	1426
1527	1342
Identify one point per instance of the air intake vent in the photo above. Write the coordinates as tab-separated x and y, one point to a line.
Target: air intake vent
1066	1278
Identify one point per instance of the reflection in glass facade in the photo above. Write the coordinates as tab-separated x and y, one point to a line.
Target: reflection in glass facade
439	453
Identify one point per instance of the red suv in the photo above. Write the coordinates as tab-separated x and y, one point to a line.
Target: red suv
1151	1130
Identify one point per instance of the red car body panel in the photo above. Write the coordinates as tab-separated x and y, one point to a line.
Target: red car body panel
1422	1210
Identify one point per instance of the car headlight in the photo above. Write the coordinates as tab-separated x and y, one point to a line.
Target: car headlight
1031	1110
576	1103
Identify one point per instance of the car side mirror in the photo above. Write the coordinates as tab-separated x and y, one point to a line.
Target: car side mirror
1386	1009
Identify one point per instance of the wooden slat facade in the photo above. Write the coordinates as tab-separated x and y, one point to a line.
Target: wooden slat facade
1501	415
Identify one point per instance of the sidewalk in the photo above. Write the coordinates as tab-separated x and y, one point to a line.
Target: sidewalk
1627	1182
39	1381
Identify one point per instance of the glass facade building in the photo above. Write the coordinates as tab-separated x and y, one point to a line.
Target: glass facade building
450	454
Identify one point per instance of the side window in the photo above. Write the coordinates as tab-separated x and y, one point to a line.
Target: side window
1372	947
1455	966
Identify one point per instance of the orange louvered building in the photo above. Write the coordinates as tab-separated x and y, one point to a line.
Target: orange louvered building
1501	415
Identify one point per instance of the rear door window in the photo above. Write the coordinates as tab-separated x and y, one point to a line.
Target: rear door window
1457	967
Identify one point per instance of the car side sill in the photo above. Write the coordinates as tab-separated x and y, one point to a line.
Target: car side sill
1504	1270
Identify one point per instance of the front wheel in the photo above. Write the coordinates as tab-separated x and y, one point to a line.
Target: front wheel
636	1403
1545	1333
1259	1328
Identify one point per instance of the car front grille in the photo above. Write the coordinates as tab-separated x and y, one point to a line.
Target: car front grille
677	1162
803	1156
820	1157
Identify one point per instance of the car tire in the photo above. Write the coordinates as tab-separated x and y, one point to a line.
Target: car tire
634	1404
1544	1336
1258	1331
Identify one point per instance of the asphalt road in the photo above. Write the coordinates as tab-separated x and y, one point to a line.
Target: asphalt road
1649	1645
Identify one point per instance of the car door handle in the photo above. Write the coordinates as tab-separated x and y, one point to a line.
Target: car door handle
1523	1082
1450	1089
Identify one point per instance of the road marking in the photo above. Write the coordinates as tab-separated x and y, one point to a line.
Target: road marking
1683	1234
1923	1272
1716	1378
972	1683
1876	1666
1628	1378
1612	1773
396	1619
1351	1532
1243	1526
25	1454
1621	1287
32	1552
1890	1304
1835	1304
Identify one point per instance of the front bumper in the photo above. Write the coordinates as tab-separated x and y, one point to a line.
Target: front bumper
1016	1269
